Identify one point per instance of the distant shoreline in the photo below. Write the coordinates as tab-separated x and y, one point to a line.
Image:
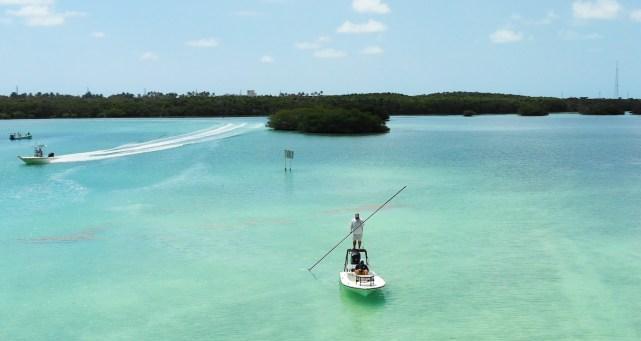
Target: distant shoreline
267	116
206	105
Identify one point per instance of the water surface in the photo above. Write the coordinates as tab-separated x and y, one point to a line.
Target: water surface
511	228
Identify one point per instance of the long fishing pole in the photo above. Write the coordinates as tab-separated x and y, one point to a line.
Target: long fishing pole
352	231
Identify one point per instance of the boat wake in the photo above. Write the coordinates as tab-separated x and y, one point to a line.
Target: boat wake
217	133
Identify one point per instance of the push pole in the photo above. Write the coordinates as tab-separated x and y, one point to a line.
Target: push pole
352	231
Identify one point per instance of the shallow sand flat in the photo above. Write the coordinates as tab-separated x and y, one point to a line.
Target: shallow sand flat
511	228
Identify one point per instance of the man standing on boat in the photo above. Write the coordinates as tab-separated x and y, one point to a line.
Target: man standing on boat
357	230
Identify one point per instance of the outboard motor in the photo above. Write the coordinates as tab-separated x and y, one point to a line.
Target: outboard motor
50	155
356	257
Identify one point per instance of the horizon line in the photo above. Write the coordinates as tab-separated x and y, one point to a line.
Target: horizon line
300	93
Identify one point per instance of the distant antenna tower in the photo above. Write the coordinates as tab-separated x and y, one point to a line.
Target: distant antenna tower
616	81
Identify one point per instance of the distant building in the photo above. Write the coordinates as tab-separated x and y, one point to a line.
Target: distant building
251	93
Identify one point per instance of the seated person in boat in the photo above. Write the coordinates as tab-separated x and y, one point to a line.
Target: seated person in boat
361	269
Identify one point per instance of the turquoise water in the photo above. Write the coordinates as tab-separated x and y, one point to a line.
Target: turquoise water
511	228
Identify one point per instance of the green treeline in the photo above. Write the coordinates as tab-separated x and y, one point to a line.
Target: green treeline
321	120
204	104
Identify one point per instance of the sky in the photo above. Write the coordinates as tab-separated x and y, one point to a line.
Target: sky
539	48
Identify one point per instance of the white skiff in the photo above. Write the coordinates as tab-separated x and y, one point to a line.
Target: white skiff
36	160
361	283
38	157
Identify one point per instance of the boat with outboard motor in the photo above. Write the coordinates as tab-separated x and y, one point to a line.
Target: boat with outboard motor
357	277
20	136
38	157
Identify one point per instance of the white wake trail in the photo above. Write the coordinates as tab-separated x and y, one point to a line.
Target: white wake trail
225	131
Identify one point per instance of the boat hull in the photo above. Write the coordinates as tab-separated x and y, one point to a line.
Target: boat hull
15	138
36	160
348	281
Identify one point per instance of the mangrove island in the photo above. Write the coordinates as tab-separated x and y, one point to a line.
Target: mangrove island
322	120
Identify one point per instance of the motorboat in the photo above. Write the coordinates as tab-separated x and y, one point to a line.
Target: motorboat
20	136
361	282
38	157
36	160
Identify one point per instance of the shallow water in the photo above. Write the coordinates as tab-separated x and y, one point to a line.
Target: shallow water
511	228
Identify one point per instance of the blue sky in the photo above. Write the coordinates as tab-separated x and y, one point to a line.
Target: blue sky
545	47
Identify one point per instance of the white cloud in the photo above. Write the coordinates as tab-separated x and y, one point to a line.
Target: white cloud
372	50
25	2
38	12
636	15
370	6
597	9
42	15
329	53
148	56
371	26
313	45
506	36
318	46
266	59
98	35
203	43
